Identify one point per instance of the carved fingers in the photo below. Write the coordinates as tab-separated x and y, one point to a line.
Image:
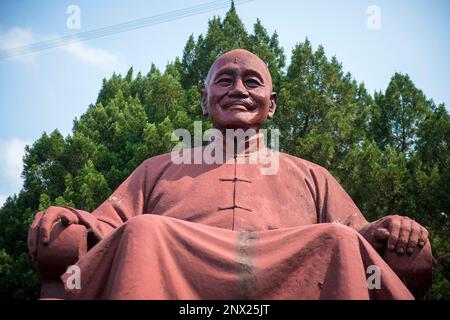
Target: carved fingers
52	216
33	235
405	234
423	236
40	229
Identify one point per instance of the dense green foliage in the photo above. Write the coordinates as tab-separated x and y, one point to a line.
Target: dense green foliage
390	150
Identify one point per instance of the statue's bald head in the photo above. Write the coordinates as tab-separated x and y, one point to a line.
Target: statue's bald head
243	57
238	91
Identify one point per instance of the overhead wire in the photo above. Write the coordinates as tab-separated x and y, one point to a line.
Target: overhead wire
117	28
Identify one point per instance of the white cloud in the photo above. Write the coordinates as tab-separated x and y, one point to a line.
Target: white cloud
93	56
11	163
16	37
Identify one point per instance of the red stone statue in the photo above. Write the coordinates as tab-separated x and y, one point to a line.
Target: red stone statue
226	231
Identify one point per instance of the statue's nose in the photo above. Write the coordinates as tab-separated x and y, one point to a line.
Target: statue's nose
238	90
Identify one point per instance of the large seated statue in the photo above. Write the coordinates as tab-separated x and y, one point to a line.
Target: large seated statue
226	230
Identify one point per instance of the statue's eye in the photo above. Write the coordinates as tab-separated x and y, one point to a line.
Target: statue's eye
224	82
252	83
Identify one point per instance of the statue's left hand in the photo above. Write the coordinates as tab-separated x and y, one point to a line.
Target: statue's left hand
397	233
44	221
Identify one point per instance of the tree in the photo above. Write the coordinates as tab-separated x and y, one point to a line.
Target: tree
88	189
399	113
43	170
269	50
322	111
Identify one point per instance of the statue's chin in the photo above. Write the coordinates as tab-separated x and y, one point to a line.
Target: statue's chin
237	124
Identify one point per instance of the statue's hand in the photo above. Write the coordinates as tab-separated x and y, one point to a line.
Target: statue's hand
42	226
398	233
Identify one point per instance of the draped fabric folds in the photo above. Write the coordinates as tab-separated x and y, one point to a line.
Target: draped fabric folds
226	231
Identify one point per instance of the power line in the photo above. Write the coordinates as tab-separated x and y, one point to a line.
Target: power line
117	28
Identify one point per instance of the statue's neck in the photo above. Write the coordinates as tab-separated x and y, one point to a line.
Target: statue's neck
240	142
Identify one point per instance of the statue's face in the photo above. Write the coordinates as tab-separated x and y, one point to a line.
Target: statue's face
238	92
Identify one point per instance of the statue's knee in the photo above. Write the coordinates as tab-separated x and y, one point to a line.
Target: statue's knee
338	231
414	270
424	258
143	223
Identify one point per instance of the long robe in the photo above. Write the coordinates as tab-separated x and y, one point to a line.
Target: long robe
225	231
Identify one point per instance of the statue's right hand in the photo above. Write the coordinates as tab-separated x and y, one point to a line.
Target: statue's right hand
42	226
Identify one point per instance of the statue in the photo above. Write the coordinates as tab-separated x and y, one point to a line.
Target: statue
226	231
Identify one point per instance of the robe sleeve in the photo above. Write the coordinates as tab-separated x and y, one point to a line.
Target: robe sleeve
333	204
127	201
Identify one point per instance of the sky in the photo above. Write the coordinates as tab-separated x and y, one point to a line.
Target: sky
46	90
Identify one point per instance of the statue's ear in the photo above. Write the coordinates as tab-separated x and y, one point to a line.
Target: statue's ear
272	105
204	98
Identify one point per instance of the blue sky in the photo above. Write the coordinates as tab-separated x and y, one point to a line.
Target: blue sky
47	90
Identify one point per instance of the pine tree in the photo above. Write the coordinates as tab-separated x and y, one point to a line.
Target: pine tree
401	110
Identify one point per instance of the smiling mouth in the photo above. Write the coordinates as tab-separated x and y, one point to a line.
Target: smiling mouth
237	107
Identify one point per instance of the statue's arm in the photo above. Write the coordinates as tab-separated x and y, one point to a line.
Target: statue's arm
402	242
60	235
333	204
126	202
398	233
